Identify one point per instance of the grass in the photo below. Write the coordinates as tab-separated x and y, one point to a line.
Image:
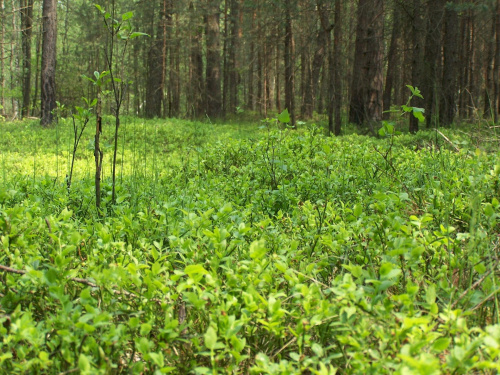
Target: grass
246	248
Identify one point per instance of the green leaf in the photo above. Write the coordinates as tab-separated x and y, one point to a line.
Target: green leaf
84	364
441	344
210	338
195	269
284	117
127	16
430	295
257	249
137	34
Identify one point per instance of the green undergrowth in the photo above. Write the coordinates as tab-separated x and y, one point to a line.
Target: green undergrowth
234	249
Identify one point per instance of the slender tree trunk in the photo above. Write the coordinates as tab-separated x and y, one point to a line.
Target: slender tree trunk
233	77
213	77
289	65
432	55
394	58
489	83
337	66
156	69
418	53
367	84
2	58
496	71
26	10
197	86
450	72
38	41
48	71
251	67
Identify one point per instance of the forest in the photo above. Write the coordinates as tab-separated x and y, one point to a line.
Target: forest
249	187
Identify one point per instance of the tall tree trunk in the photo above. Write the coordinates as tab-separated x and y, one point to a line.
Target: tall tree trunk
394	57
450	72
322	40
48	71
233	79
38	41
489	83
337	66
213	77
367	84
156	69
197	86
251	67
496	71
418	53
2	58
26	32
289	65
432	55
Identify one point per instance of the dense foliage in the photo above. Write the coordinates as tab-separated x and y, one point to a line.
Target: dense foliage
233	249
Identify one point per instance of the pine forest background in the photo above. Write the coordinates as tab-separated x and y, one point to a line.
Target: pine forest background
346	60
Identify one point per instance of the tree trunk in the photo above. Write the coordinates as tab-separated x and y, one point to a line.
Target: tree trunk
418	53
213	77
26	32
48	71
489	83
233	79
289	65
432	55
394	58
367	83
450	72
337	66
38	41
2	59
197	86
156	69
496	71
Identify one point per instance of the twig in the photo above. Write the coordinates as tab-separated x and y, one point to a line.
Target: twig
82	281
473	286
448	140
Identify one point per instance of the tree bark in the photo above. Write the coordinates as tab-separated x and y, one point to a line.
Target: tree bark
2	59
432	55
496	71
394	58
450	72
26	10
337	66
418	53
213	77
197	86
367	83
48	70
489	83
156	68
289	65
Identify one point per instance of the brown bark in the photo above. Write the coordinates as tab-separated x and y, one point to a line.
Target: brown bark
418	53
26	10
213	75
394	58
48	70
337	66
2	58
234	46
322	40
432	57
156	68
496	71
289	65
489	84
451	69
197	86
367	83
38	41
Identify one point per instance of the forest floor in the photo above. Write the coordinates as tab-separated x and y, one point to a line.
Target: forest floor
249	248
